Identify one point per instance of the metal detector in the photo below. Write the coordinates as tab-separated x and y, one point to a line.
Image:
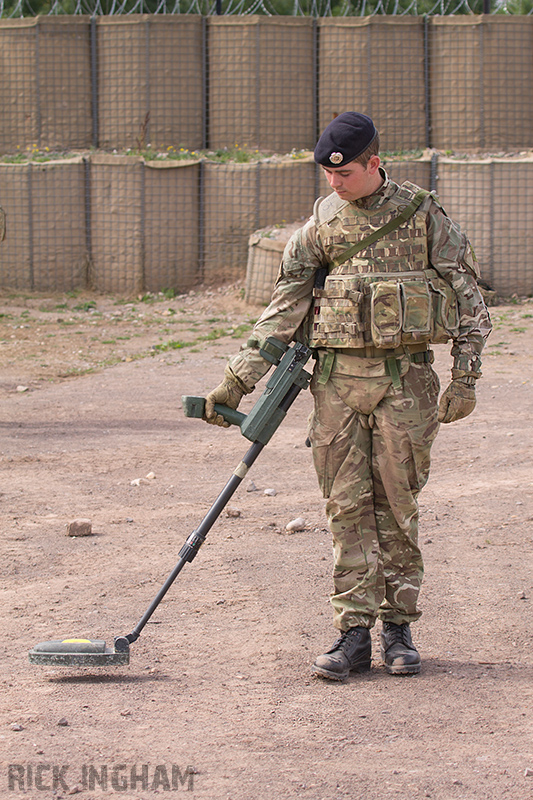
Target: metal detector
284	385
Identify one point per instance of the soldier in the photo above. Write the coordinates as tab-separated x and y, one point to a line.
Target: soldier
377	274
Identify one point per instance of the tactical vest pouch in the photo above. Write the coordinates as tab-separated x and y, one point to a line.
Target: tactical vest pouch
417	311
338	313
386	313
445	311
407	311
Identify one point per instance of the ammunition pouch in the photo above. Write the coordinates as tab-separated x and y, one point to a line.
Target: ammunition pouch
386	310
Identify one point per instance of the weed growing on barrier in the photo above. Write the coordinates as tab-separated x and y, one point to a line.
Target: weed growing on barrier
223	155
401	155
237	154
36	154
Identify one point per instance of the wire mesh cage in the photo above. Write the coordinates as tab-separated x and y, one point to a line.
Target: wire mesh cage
141	151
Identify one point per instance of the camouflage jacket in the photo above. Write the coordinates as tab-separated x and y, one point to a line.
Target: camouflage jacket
449	253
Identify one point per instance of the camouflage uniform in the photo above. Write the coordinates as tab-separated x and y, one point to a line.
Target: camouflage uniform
375	417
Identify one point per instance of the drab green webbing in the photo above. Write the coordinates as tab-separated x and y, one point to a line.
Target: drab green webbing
402	217
394	371
327	366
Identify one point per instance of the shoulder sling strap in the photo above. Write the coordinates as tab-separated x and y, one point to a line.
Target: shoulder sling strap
390	226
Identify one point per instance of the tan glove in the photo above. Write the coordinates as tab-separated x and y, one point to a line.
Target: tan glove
228	393
457	401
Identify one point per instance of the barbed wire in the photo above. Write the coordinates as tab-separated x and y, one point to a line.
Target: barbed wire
314	8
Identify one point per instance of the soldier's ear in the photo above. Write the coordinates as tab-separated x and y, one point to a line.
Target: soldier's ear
373	164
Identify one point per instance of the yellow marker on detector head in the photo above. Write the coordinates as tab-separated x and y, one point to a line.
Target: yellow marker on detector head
76	641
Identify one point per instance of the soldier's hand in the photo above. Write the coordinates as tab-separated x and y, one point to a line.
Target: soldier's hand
228	393
457	401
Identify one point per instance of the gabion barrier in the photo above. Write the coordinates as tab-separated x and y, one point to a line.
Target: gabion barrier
455	82
123	224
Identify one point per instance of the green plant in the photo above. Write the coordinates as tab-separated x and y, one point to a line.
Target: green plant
173	344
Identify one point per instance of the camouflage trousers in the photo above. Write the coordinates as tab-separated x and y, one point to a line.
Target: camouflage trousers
371	449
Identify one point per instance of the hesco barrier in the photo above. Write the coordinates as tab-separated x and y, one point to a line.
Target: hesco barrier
478	69
239	198
381	72
149	82
47	233
122	224
262	82
456	82
45	90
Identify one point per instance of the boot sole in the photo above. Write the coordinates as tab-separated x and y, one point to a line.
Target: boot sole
412	669
364	666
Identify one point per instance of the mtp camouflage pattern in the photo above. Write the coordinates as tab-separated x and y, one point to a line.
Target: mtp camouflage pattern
385	294
449	254
371	450
372	431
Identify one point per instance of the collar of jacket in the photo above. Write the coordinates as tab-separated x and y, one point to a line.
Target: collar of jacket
381	196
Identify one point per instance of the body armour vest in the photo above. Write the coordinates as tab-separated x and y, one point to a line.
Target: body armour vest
386	294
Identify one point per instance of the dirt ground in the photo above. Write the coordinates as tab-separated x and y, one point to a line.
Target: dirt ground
218	702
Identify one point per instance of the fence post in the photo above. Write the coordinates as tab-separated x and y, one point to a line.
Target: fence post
143	226
433	172
257	198
201	221
205	85
30	227
491	222
88	227
481	87
94	83
258	129
146	125
316	77
38	117
427	94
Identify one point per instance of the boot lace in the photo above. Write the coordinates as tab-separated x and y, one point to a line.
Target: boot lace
397	634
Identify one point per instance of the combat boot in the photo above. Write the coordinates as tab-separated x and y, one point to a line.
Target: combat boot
398	652
350	653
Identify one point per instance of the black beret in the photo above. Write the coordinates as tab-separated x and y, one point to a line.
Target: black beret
344	139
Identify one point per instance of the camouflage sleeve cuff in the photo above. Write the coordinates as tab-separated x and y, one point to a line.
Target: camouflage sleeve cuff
467	364
242	386
248	367
465	377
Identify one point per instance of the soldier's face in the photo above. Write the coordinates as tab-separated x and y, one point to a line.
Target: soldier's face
353	181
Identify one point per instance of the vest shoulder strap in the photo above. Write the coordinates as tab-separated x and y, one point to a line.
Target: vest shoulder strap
407	212
326	208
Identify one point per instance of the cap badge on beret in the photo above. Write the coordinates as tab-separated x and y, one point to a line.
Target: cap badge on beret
336	158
